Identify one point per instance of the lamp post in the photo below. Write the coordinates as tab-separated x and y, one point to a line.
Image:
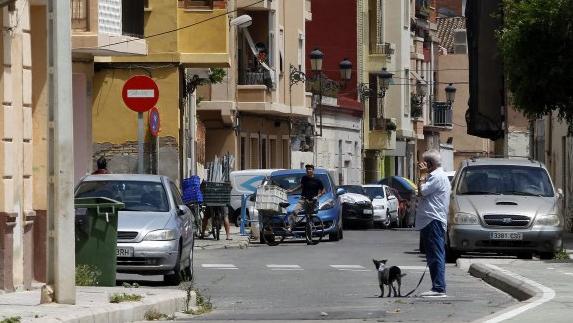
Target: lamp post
368	90
450	93
324	84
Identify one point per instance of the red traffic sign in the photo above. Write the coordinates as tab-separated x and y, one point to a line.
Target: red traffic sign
140	93
154	121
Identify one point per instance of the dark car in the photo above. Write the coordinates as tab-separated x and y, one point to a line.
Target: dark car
357	208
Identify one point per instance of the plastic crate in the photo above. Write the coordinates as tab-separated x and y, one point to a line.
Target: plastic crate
216	194
191	188
269	198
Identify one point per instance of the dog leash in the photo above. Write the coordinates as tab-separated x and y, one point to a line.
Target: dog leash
419	283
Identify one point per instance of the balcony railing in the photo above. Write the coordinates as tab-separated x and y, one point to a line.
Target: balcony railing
249	77
79	9
115	17
381	49
442	114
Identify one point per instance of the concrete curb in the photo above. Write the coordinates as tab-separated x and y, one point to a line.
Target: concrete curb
125	312
515	287
241	244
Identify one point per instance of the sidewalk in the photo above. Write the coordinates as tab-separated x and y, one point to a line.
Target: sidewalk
238	241
92	305
544	288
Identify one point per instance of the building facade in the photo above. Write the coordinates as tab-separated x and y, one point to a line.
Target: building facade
249	114
193	35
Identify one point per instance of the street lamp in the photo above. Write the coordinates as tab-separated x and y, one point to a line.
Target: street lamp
316	57
345	70
450	93
366	91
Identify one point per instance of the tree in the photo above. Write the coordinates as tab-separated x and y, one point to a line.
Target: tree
536	46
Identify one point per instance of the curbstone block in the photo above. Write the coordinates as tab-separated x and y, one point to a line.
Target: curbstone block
513	286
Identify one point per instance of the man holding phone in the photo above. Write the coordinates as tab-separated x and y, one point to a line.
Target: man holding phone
431	218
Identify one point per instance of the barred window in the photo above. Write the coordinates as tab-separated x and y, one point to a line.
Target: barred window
195	4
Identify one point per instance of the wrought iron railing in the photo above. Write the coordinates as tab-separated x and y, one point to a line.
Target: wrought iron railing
442	114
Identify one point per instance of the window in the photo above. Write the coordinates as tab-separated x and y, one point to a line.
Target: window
285	155
243	153
255	160
273	153
281	48
136	195
264	153
176	195
300	50
195	4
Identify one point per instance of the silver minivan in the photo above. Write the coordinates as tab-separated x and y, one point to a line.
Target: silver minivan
506	206
155	229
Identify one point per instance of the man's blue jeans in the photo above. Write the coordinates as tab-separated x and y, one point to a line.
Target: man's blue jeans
433	238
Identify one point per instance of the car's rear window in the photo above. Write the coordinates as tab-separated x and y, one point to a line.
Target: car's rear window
289	181
374	191
136	195
506	180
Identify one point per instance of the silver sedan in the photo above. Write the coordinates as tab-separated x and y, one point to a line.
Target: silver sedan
155	229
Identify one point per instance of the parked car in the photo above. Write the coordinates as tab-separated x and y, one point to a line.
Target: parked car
505	206
330	208
155	229
385	204
245	182
356	207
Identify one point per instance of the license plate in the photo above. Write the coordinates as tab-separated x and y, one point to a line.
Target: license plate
506	236
124	252
368	212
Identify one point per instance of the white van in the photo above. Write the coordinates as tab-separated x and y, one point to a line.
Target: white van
245	182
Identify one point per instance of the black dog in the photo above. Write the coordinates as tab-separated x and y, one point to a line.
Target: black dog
387	276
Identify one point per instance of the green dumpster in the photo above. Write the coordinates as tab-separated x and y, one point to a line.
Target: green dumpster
96	236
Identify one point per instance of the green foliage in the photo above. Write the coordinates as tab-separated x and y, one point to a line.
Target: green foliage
123	297
391	126
561	255
87	275
536	46
217	75
154	315
12	319
203	305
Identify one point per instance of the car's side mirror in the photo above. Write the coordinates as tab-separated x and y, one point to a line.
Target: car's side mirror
181	209
340	191
559	193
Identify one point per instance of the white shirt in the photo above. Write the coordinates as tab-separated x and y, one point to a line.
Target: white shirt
434	201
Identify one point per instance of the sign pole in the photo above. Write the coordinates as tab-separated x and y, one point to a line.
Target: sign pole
140	142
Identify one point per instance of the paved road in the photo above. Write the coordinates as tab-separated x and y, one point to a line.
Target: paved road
298	282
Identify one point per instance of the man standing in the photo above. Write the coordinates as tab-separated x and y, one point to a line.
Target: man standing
434	190
311	189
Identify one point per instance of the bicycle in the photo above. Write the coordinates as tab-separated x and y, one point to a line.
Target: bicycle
274	228
198	212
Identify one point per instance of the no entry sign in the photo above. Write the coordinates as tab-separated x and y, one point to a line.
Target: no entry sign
140	93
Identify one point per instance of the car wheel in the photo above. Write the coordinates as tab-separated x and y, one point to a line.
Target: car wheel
524	255
336	236
388	222
189	270
175	278
546	255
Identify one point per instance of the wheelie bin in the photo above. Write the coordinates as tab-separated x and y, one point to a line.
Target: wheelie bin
96	236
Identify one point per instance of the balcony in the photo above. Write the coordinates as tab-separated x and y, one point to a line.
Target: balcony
382	49
441	117
107	28
248	5
381	139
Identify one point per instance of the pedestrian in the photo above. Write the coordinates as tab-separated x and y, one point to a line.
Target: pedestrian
101	166
431	218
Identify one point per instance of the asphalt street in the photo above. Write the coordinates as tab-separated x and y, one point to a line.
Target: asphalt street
334	281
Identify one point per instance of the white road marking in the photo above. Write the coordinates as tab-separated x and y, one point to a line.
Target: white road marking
347	266
412	267
219	266
284	266
546	295
550	268
568	273
287	269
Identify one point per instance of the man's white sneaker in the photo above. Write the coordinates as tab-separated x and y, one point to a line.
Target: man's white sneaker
433	294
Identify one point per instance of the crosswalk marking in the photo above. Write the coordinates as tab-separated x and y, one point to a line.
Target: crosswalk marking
349	267
219	266
284	267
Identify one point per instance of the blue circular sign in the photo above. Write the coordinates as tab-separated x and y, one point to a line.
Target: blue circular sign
154	121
